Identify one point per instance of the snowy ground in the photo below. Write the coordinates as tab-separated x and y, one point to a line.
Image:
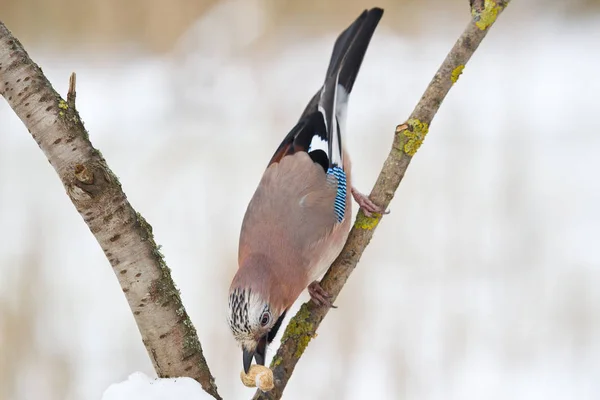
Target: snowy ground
483	282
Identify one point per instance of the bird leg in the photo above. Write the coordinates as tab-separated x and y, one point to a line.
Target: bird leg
366	204
319	296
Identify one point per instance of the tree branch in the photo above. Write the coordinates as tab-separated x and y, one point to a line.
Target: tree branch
124	235
407	139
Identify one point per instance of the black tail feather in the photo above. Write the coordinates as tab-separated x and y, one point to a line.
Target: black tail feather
351	46
342	43
358	36
347	56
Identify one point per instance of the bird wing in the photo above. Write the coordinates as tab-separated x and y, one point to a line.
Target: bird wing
291	210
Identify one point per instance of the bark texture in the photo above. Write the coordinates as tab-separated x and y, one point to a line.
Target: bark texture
408	137
125	237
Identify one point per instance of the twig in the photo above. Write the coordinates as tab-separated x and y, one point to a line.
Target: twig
124	235
72	94
407	139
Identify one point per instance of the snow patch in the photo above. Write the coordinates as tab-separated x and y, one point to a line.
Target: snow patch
141	387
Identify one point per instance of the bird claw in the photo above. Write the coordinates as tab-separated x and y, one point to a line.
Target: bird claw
366	204
319	296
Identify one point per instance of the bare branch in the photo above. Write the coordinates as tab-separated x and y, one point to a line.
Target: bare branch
123	234
407	139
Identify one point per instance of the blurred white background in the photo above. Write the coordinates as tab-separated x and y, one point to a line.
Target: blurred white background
483	282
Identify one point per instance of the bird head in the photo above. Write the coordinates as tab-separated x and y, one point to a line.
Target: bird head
254	323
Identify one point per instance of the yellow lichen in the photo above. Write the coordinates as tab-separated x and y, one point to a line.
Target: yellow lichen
276	362
299	329
415	133
302	344
488	16
63	104
367	223
456	73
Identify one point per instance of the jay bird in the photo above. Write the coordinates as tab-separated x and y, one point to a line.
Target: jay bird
299	217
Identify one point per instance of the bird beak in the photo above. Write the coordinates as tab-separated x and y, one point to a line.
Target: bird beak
258	354
247	359
261	351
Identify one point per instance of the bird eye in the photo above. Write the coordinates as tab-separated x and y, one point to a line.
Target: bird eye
265	319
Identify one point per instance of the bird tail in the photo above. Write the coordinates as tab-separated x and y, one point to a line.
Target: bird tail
346	59
351	46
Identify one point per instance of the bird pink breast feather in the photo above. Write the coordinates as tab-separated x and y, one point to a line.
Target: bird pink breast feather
299	217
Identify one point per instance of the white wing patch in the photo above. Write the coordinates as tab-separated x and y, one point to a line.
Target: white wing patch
318	143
